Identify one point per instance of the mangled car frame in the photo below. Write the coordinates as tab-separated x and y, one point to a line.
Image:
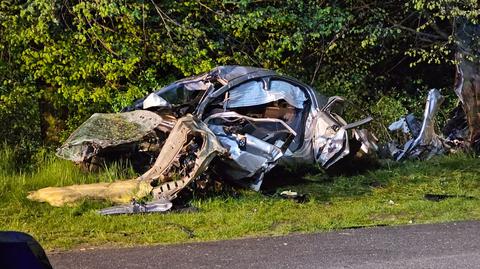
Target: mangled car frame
233	123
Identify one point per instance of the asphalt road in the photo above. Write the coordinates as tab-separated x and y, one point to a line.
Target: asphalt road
450	245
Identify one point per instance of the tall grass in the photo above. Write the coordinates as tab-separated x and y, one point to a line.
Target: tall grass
51	171
7	160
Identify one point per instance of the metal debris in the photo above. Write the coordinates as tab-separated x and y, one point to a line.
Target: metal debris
160	205
293	195
424	143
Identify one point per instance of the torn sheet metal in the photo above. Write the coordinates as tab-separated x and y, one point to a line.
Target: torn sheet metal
159	205
252	94
234	123
154	100
408	125
426	143
334	148
187	153
400	124
367	139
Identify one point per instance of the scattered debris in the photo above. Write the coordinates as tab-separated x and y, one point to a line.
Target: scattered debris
456	130
160	205
232	124
289	193
293	195
376	184
440	197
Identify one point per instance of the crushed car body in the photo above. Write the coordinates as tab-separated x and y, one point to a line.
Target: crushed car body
233	123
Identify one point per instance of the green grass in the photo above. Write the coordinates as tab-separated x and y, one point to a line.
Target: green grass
334	203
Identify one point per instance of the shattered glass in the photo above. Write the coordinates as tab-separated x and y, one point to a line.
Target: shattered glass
102	131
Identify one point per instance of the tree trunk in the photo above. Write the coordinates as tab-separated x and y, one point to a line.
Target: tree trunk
467	81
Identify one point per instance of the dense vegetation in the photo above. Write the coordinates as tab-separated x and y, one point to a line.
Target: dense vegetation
61	60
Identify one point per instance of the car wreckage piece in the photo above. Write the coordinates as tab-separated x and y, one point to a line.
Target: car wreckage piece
117	135
425	143
234	123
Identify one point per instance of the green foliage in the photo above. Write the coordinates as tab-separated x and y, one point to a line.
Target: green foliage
19	120
388	109
60	61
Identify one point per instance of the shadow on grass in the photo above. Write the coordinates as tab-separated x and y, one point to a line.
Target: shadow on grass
352	182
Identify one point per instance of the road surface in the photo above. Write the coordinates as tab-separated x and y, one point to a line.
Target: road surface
449	245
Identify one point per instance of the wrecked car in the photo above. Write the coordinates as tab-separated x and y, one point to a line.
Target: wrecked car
233	123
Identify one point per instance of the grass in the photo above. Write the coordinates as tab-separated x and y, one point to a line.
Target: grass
387	196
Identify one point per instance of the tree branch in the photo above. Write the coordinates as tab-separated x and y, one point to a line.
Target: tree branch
427	35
